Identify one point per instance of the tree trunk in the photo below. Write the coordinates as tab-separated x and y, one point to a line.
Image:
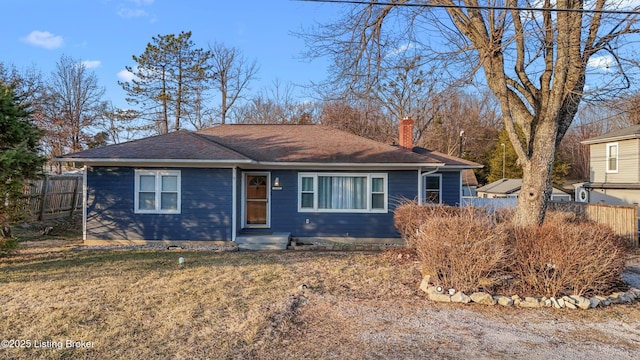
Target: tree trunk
536	181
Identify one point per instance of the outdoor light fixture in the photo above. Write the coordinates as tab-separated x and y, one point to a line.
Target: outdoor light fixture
276	182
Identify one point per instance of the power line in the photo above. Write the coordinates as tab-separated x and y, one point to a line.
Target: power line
475	7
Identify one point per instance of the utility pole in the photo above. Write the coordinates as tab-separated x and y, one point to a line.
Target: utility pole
460	144
503	158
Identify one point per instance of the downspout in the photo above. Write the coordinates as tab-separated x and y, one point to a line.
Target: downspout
460	197
234	205
84	203
421	185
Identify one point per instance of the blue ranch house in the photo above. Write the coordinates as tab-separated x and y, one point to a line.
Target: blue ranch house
311	182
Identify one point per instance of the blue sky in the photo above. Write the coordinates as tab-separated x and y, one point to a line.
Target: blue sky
106	33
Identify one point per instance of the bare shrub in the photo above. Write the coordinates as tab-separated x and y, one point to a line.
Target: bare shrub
463	248
565	256
410	216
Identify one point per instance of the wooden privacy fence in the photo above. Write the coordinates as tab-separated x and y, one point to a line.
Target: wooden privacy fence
55	196
623	220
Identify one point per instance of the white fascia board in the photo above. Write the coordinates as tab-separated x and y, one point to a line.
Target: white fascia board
610	139
462	167
155	162
328	166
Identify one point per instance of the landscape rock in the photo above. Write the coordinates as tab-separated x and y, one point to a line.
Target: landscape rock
561	303
482	298
435	296
546	303
460	297
624	298
530	302
615	298
604	300
425	285
568	300
555	303
581	302
570	305
516	300
503	300
594	302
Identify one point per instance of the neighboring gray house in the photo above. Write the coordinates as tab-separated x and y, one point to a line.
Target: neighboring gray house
510	188
614	168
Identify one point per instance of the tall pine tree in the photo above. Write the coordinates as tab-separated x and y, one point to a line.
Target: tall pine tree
166	79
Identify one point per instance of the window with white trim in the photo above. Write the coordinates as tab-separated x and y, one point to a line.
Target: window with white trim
432	188
157	192
612	158
342	192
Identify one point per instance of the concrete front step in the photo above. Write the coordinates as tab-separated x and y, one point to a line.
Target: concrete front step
272	241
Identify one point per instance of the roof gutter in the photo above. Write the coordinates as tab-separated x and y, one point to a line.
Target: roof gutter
152	162
253	163
363	165
610	139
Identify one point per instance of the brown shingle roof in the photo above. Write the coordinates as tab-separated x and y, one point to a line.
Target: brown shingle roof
308	143
173	146
267	144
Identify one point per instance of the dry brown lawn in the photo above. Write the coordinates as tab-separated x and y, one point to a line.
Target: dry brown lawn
141	304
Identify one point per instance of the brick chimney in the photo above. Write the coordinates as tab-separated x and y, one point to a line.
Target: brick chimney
406	134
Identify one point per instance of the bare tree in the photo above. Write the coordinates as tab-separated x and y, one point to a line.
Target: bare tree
27	83
534	57
275	106
231	74
70	107
361	118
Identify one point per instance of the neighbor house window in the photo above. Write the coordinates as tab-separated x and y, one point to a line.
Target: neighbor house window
342	192
612	158
157	192
432	188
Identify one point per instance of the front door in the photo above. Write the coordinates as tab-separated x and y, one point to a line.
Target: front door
256	194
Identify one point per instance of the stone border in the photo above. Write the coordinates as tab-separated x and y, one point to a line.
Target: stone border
437	294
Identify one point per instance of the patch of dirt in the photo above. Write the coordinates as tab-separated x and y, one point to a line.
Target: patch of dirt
399	256
348	328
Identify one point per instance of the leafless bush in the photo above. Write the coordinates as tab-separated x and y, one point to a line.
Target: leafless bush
410	216
463	249
565	256
472	249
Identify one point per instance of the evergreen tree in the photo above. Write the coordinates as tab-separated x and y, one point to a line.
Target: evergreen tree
19	157
505	158
168	77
